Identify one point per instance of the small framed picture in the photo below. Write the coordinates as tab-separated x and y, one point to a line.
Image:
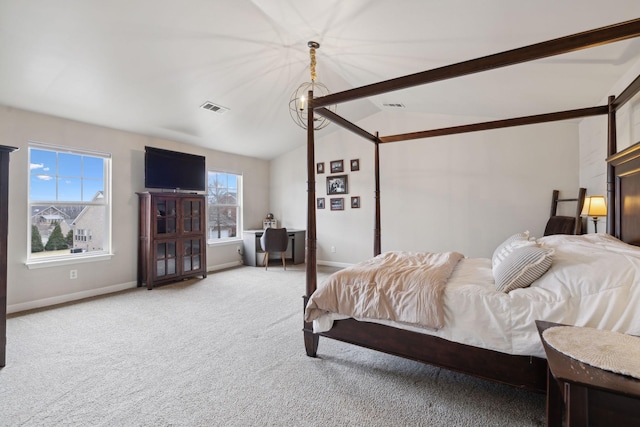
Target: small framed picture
337	184
337	204
355	165
337	166
320	167
355	202
320	203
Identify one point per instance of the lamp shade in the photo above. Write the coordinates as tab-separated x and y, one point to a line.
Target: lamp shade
595	206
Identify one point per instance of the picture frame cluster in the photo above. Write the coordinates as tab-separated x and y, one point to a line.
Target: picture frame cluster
338	184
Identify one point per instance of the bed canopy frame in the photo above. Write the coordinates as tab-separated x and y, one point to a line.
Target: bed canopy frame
525	372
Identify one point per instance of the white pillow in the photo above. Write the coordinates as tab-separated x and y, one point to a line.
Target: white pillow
518	240
522	267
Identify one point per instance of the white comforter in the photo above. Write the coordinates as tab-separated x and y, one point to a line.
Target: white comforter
594	281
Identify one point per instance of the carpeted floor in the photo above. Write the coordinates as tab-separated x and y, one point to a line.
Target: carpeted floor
225	351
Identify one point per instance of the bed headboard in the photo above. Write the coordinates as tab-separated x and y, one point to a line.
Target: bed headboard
625	208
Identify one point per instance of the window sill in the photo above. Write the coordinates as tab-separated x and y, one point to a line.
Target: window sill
67	261
233	241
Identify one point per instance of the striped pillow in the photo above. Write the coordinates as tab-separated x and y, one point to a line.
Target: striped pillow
522	267
518	240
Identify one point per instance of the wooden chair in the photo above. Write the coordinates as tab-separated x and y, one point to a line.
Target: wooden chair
559	224
274	240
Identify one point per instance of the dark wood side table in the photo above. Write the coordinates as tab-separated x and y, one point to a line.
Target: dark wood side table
590	396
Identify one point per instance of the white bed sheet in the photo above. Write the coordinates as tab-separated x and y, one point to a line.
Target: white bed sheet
594	281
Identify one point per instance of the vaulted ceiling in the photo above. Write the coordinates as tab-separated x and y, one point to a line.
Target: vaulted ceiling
147	66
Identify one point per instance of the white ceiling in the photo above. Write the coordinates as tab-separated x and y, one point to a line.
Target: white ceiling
146	66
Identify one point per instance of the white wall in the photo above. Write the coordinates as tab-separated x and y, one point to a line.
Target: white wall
462	192
30	288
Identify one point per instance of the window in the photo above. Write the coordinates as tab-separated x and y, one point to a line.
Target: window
68	203
225	206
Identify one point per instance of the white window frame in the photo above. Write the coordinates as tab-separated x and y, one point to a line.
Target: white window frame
105	201
237	205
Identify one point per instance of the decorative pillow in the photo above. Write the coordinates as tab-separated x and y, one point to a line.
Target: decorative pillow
518	240
522	267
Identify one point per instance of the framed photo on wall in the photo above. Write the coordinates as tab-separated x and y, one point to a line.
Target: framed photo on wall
355	165
337	166
320	167
337	204
355	202
320	203
337	184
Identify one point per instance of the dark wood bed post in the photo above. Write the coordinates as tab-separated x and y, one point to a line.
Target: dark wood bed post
310	339
377	244
612	148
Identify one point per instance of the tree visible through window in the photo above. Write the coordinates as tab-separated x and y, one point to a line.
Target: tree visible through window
225	213
68	198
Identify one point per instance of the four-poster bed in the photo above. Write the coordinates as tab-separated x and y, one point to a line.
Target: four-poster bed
524	371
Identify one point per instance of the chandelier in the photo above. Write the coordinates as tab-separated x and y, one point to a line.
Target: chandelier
298	103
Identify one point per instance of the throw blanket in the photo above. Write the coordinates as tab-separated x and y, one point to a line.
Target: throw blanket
399	286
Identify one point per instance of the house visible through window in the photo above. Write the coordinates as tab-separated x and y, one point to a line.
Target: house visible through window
68	202
225	206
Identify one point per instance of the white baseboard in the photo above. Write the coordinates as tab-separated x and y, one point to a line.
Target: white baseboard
334	264
61	299
224	266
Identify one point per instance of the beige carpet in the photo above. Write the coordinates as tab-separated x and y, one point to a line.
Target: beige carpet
225	351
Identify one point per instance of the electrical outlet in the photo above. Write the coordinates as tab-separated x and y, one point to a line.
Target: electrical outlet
73	274
333	248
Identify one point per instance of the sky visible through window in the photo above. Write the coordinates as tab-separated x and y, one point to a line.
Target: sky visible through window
65	177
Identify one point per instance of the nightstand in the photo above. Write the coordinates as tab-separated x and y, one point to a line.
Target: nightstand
590	396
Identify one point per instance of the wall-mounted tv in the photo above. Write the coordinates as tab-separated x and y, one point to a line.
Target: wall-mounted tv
172	170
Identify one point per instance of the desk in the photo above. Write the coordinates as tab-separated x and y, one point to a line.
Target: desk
591	396
251	244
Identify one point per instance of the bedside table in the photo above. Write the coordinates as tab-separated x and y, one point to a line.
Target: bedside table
590	396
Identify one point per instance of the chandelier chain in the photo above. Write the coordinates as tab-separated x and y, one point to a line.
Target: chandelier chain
312	67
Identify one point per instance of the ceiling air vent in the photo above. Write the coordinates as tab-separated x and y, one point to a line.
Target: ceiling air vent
214	107
393	105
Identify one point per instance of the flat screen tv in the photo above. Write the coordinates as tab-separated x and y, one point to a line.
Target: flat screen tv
172	170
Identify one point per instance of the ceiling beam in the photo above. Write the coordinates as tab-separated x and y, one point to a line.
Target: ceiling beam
562	45
629	92
497	124
341	121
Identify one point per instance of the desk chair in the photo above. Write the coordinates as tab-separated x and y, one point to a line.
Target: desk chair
274	240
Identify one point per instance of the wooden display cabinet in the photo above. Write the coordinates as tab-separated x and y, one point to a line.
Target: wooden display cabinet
4	231
173	241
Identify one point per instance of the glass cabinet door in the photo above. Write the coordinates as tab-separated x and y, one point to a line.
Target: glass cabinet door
165	258
166	216
192	258
191	216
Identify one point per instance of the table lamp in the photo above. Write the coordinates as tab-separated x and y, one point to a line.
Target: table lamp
595	207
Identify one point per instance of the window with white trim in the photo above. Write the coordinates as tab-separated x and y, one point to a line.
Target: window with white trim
69	203
224	192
